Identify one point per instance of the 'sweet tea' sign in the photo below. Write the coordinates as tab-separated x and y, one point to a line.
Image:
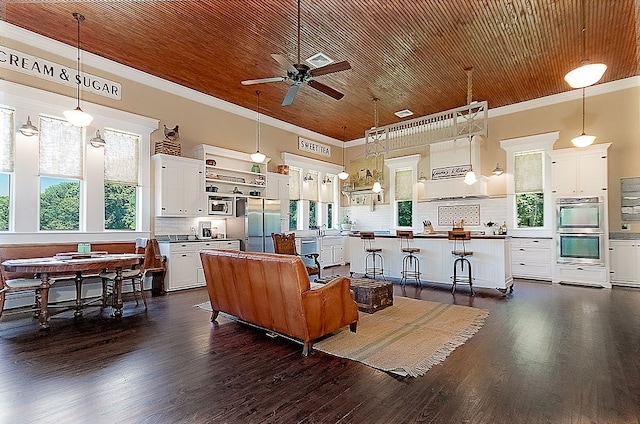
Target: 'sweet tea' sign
313	147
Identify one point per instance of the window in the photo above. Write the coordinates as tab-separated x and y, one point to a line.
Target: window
529	189
313	214
294	197
7	145
61	170
404	196
330	215
121	163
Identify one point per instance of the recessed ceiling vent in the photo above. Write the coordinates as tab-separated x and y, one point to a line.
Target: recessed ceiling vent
319	59
403	113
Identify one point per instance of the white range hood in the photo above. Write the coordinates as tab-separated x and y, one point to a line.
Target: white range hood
455	188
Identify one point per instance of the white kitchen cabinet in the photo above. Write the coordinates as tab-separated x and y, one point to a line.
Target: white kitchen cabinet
179	186
278	188
580	172
331	251
184	268
532	258
624	257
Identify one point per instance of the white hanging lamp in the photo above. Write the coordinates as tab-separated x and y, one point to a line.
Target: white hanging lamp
258	157
28	129
470	176
377	187
344	174
587	73
77	117
583	140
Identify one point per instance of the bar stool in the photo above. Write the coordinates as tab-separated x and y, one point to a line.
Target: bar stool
410	262
461	258
373	255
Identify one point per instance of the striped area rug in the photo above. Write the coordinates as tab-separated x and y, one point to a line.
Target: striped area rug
407	338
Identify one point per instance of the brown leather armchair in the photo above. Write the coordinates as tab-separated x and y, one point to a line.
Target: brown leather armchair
285	244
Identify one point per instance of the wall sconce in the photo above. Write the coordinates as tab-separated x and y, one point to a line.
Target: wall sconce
307	178
422	178
97	141
28	129
326	180
498	170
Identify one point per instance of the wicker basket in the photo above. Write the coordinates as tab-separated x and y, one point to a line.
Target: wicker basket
168	147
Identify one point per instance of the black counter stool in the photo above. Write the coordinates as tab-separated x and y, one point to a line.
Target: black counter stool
373	256
461	259
410	262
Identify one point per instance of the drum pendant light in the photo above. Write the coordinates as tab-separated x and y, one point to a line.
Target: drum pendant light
77	117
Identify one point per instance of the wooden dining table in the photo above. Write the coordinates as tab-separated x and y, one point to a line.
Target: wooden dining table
78	265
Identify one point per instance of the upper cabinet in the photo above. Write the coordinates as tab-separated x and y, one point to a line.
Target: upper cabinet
179	186
580	171
277	186
231	173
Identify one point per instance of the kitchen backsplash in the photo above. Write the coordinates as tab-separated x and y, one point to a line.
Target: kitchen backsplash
175	226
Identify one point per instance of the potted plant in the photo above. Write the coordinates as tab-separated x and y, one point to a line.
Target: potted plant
346	223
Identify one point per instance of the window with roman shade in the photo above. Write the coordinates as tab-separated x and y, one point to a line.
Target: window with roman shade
61	169
529	188
326	189
310	187
121	179
294	197
404	196
7	163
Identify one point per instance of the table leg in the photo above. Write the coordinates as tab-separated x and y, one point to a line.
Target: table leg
78	279
117	291
43	316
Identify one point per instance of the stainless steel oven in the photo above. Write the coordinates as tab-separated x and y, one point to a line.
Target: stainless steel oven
586	248
580	215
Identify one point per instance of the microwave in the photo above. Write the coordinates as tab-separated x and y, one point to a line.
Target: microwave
220	206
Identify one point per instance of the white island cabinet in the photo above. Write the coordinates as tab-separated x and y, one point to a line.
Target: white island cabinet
490	263
184	268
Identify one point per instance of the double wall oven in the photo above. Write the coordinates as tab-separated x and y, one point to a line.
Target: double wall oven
580	230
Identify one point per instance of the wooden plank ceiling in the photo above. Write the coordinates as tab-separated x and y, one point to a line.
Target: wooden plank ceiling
409	54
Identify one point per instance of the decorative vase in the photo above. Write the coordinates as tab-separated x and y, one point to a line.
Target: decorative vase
255	168
345	227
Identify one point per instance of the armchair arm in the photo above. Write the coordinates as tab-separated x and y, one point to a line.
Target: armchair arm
314	256
330	307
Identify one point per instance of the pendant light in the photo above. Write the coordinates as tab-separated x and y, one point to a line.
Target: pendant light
77	117
344	174
587	73
28	129
470	176
258	157
583	140
377	187
97	141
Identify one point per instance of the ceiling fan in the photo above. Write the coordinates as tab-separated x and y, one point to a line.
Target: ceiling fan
299	74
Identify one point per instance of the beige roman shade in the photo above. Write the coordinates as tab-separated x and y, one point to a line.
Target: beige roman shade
528	173
294	183
61	148
404	184
7	140
326	188
121	157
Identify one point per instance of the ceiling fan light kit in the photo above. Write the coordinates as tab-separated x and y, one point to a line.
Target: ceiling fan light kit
77	117
300	74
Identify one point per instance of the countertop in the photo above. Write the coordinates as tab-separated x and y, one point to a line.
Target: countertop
440	235
182	239
626	235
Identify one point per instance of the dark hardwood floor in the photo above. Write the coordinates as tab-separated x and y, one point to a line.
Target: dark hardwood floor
546	354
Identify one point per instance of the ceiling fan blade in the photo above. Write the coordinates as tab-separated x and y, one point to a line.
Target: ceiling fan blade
326	89
284	62
329	69
262	80
288	99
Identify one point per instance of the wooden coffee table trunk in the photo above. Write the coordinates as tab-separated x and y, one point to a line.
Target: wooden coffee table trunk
372	295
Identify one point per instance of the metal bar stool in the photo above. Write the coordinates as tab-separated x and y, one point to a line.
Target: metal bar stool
461	259
410	262
373	256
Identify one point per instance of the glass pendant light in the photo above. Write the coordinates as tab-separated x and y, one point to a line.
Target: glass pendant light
258	157
588	73
77	117
344	174
377	187
583	140
470	176
28	129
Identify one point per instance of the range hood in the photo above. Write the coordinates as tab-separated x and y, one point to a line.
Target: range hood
455	188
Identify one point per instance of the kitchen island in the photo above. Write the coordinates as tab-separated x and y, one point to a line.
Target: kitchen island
491	260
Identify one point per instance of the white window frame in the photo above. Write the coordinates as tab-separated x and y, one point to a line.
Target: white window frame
512	146
394	164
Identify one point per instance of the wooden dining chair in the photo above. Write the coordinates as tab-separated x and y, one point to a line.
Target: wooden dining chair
154	264
16	285
285	244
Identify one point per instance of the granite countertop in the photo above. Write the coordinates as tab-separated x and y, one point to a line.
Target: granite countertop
441	235
626	235
185	238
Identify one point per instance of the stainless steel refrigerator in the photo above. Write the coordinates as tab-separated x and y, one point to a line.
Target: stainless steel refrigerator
254	221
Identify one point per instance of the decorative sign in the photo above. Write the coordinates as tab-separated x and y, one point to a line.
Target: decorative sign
448	172
313	147
51	71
